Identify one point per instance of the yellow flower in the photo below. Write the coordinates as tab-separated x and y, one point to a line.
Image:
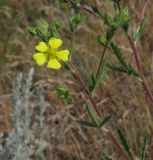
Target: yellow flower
49	53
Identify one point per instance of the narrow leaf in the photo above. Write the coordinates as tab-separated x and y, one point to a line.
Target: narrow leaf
143	25
124	142
143	148
104	121
91	112
84	123
106	156
102	73
91	83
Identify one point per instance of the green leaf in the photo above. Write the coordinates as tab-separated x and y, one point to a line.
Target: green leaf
75	20
32	31
40	156
122	19
71	2
118	54
110	34
108	20
102	40
63	93
102	73
42	30
93	115
106	156
84	123
143	25
54	28
129	71
116	1
124	67
143	148
135	35
124	142
137	32
91	83
104	121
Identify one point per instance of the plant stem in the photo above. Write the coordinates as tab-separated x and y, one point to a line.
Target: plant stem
102	59
137	55
142	14
99	113
139	67
115	141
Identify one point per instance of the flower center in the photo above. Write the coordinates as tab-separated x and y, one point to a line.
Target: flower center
52	52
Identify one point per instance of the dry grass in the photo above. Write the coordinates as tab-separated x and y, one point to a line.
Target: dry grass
119	95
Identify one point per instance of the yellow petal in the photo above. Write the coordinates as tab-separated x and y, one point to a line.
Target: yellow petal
40	58
42	47
55	43
63	55
53	63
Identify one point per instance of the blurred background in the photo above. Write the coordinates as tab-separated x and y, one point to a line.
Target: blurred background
119	95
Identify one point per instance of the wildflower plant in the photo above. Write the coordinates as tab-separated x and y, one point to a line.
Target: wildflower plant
47	51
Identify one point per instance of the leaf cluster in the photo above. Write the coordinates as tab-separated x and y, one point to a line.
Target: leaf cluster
64	94
44	31
121	19
124	66
75	20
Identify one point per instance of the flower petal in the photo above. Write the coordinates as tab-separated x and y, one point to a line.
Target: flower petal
53	63
55	43
42	47
40	58
63	55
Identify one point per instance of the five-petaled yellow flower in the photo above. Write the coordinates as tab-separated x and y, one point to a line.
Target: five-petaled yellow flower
49	53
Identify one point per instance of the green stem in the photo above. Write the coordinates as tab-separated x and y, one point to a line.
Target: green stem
102	59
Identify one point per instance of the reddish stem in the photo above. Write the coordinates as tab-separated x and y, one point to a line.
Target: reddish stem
137	56
139	67
99	113
117	145
143	11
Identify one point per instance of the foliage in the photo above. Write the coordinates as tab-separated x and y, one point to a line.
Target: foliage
75	20
64	94
93	115
44	31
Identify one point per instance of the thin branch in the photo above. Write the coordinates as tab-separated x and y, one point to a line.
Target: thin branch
139	67
142	14
101	60
137	55
100	113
